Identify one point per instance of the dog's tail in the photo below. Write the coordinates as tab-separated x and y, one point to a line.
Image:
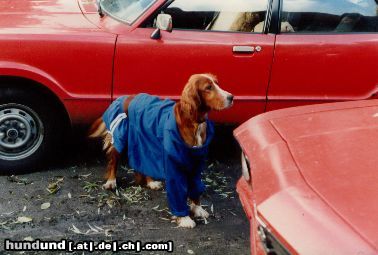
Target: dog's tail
98	129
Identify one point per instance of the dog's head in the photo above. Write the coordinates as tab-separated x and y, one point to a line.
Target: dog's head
202	94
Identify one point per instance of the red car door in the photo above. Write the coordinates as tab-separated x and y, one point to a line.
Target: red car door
206	37
330	53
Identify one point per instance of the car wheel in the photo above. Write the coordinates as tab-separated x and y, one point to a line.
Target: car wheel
28	130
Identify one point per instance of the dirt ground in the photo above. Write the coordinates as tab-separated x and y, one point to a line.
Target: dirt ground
65	201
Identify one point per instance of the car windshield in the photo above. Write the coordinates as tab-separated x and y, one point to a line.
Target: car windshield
126	10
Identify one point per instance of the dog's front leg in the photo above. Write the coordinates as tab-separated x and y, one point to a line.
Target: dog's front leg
197	210
111	170
185	222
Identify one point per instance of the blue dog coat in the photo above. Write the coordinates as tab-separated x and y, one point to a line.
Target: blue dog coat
156	149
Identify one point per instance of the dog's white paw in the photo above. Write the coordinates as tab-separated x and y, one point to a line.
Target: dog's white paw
155	185
198	211
110	184
185	222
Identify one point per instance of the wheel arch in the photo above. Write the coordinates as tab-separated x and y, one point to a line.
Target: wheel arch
11	81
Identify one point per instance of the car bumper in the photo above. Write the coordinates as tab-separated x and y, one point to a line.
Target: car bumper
244	190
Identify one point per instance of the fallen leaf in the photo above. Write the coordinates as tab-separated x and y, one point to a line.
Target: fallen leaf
92	228
53	187
44	206
101	229
232	212
190	251
110	203
69	195
29	238
85	175
76	230
208	180
24	209
24	219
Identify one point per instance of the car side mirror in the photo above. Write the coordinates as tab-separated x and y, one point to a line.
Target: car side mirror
163	22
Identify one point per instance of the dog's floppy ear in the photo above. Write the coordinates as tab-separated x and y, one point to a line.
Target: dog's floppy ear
190	98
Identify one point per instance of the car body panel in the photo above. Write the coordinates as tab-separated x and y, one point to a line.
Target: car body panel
48	14
335	155
333	61
250	73
77	65
37	6
91	60
314	171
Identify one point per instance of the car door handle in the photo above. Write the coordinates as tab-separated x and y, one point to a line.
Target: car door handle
242	49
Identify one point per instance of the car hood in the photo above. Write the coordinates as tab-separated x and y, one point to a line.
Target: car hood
335	151
59	14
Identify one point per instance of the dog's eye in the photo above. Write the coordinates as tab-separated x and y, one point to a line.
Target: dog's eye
209	87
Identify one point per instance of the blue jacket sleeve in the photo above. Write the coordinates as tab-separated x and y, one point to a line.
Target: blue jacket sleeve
181	186
177	189
183	167
195	184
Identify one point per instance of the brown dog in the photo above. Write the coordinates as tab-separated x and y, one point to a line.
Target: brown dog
200	95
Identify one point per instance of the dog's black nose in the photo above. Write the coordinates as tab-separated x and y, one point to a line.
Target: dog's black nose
230	98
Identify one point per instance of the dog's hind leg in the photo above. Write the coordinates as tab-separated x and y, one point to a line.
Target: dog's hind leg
98	130
111	170
154	185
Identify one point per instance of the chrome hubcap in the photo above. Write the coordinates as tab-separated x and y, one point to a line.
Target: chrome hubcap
21	132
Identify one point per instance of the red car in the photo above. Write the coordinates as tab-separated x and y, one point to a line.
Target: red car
310	179
63	62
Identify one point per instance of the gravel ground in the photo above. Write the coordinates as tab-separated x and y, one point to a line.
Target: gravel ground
65	201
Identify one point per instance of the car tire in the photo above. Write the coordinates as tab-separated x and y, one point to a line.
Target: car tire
29	130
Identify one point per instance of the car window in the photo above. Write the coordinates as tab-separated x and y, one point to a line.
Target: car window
218	15
126	10
336	16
